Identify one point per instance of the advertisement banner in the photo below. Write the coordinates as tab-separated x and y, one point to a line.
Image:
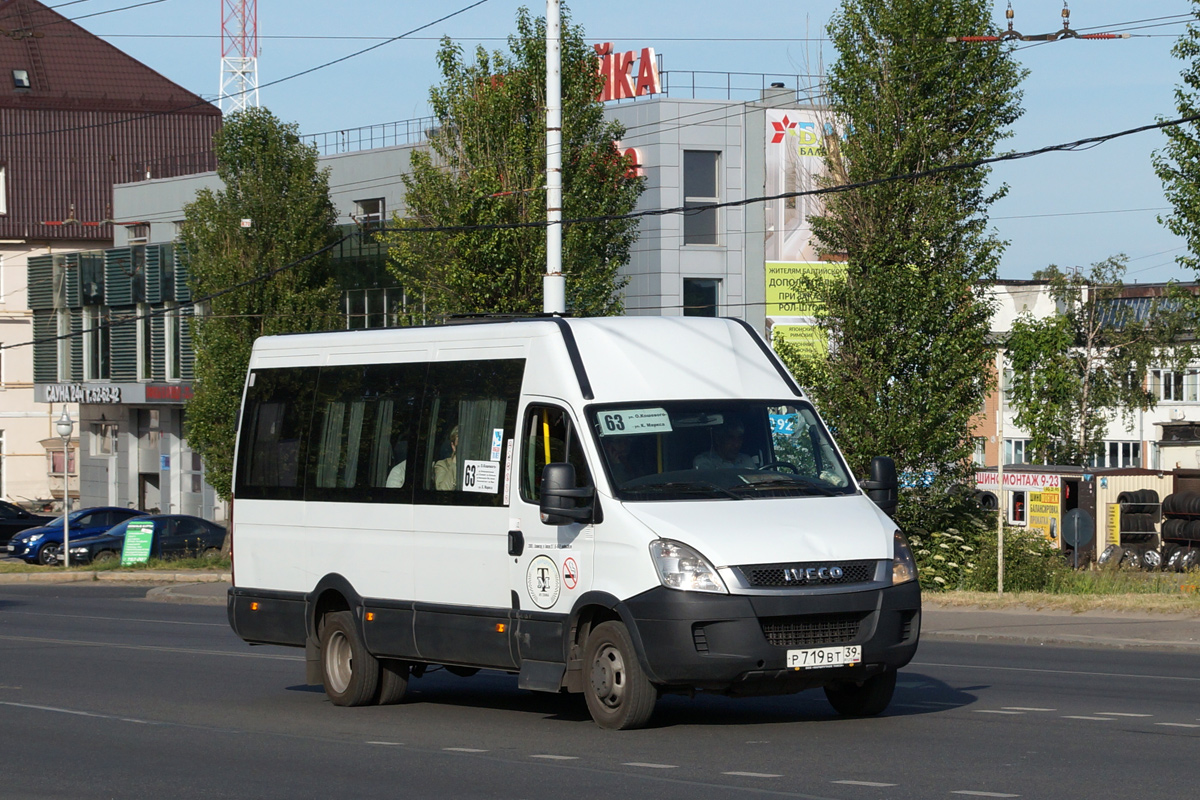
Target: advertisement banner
1045	515
1018	481
139	536
786	280
794	159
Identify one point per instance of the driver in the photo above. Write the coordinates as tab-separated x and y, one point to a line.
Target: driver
726	452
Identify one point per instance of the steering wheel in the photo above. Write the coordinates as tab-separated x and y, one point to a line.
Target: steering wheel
789	466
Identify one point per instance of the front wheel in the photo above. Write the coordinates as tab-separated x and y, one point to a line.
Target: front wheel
863	698
619	695
105	557
48	555
349	672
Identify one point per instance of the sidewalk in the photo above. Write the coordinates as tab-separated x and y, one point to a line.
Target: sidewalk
1104	629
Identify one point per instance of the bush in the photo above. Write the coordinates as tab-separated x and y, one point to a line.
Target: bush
1031	564
945	560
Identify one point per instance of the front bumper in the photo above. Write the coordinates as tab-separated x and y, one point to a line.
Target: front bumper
738	643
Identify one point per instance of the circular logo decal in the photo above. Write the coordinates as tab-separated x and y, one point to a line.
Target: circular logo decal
542	581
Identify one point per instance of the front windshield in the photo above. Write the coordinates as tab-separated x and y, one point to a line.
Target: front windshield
728	449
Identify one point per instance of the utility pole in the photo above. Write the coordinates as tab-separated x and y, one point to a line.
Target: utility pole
554	290
239	55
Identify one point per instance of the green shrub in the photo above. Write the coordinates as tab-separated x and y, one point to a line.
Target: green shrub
1031	564
945	560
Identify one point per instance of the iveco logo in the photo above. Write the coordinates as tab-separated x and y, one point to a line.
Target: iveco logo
811	574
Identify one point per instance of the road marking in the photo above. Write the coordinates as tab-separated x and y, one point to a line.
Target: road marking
1094	719
1178	724
650	766
556	758
143	647
1058	671
388	744
866	783
753	774
984	794
73	712
1022	708
117	619
465	750
1120	714
995	711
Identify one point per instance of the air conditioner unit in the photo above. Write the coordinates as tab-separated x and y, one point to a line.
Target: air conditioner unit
1176	413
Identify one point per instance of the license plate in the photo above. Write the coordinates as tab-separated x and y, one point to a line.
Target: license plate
12	547
819	657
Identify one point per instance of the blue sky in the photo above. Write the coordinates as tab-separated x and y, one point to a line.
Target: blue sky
1075	89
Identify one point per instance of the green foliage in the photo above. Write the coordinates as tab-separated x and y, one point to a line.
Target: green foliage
486	165
945	560
908	361
1076	371
1178	164
1031	563
271	178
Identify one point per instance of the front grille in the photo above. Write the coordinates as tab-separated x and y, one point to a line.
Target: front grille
767	575
811	631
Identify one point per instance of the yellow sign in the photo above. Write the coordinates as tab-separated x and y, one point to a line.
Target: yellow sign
809	341
786	285
1114	523
1045	515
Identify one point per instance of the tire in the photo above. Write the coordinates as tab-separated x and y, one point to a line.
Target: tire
864	699
212	553
350	674
1173	561
1152	560
1112	554
393	681
1189	561
48	555
619	695
105	557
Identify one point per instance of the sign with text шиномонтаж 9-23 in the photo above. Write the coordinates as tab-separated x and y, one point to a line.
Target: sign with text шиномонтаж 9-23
139	536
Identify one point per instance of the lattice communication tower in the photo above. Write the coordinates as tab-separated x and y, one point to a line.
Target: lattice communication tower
239	55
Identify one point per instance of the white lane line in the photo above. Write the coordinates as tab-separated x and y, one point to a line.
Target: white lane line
1057	671
873	784
465	750
984	794
388	744
555	758
1178	724
184	650
1094	719
650	766
1120	714
753	774
1023	708
995	711
73	712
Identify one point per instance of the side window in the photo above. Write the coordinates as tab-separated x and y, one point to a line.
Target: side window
468	418
87	520
547	436
363	425
273	434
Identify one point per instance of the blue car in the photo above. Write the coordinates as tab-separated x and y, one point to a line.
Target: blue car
41	545
175	536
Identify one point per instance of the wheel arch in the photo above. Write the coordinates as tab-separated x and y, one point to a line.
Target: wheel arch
590	610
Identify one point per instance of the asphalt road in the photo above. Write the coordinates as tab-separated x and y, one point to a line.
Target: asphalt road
106	694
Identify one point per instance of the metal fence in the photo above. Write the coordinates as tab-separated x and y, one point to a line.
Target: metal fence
370	137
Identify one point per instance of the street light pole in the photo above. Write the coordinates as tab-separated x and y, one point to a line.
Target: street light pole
65	426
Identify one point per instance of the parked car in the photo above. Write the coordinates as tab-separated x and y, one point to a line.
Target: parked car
175	535
40	545
14	519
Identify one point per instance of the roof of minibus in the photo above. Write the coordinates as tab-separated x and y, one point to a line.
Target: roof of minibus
623	358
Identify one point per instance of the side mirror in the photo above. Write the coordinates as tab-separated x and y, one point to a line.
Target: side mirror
883	488
559	494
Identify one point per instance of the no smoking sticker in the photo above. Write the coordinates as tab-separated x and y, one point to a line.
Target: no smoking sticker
570	574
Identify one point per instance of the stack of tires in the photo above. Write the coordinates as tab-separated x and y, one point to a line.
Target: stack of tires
1139	526
1180	550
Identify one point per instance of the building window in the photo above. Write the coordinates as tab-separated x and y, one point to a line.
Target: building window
172	320
1016	508
3	189
700	188
64	345
701	297
96	344
980	456
104	439
1118	454
139	233
1178	387
145	344
1014	451
21	79
56	461
370	213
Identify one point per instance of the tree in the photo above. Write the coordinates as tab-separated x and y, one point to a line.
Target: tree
1075	372
908	360
270	178
486	165
1178	164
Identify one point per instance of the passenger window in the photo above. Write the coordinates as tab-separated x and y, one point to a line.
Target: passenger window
363	423
548	437
469	417
274	433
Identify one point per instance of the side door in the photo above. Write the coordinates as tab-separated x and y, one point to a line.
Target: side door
553	565
178	537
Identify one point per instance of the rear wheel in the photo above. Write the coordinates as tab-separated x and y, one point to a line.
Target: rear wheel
104	557
863	698
619	695
393	681
349	672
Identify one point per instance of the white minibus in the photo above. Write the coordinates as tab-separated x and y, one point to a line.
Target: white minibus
618	507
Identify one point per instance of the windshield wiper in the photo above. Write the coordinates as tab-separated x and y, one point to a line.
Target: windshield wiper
685	486
790	481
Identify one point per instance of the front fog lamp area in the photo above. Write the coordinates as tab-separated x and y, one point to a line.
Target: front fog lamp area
681	567
904	567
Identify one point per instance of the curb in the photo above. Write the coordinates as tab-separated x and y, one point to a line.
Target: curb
141	576
1095	642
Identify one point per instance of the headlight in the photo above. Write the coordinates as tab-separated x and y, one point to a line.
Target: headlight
35	537
904	568
79	551
681	567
